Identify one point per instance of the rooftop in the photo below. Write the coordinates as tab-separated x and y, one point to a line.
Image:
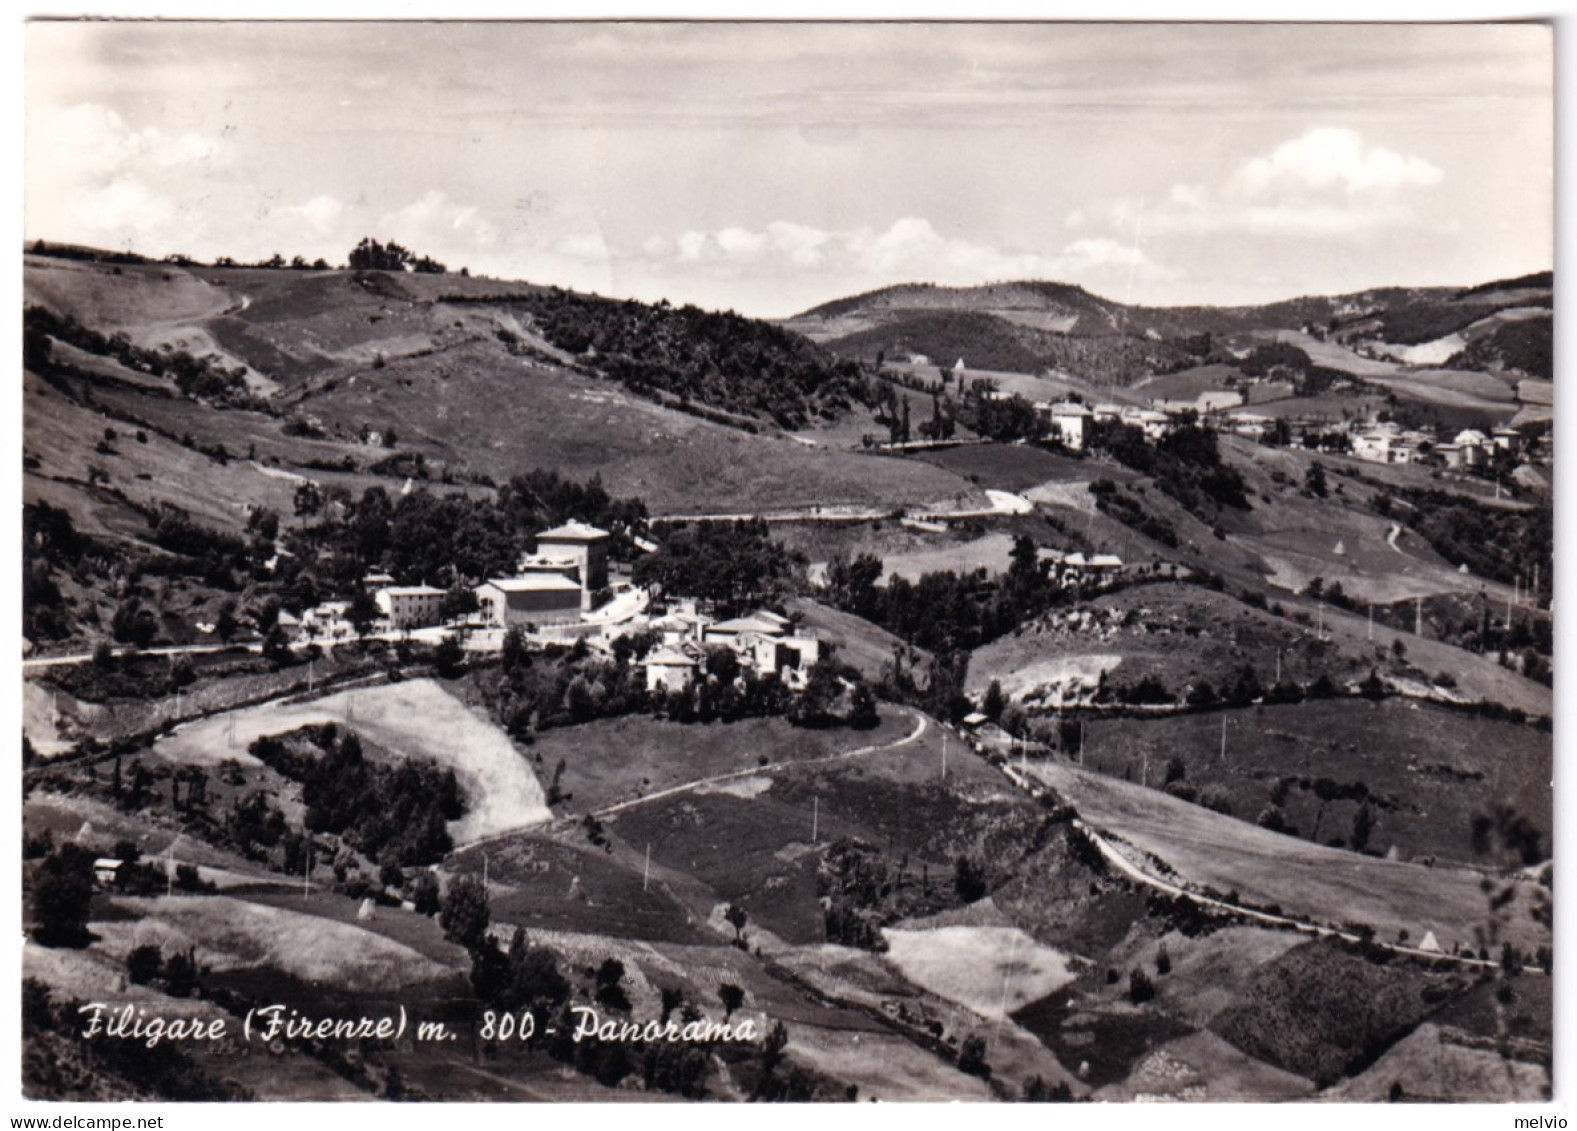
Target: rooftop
536	583
573	531
670	658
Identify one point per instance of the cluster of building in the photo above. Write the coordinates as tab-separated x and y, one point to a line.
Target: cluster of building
1070	422
764	642
553	587
1470	448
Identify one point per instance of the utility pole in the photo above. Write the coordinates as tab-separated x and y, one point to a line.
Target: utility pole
646	871
1418	616
815	819
1371	622
1081	742
1224	735
944	755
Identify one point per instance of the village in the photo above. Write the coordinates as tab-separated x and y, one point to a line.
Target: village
567	591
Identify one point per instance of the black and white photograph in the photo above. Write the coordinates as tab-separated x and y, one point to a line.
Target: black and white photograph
710	561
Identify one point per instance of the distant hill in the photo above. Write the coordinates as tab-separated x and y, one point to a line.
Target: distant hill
1034	326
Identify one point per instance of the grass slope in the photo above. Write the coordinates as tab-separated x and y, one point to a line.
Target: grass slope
1326	885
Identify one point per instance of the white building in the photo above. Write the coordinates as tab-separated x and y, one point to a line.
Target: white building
1068	421
668	669
409	606
538	598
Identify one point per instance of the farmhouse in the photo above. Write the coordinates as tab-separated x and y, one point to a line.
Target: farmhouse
1386	443
1077	568
106	871
1155	425
668	669
409	606
791	657
539	598
1069	422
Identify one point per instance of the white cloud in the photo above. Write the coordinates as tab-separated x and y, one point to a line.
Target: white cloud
91	175
908	250
1325	183
435	221
322	214
1329	160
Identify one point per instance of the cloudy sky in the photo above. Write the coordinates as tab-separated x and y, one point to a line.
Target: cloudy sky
767	168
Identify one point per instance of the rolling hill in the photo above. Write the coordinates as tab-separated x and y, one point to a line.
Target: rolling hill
1033	326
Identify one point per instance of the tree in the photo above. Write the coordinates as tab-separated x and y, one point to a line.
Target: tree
424	893
370	255
180	974
732	998
62	897
363	611
457	603
449	657
133	624
991	706
734	915
863	714
1314	481
969	879
972	1057
1140	988
1362	826
226	624
464	914
144	964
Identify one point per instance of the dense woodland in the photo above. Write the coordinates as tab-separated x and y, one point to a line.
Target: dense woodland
697	357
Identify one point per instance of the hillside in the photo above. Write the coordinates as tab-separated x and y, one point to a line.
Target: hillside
349	379
1497	328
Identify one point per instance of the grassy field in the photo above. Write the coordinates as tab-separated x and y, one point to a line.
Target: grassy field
856	641
758	850
1203	1068
992	553
1176	632
1187	384
560	881
416	718
234	934
1326	885
1438	1065
1007	467
451	407
613	760
1439	768
991	970
350	357
1317	1010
